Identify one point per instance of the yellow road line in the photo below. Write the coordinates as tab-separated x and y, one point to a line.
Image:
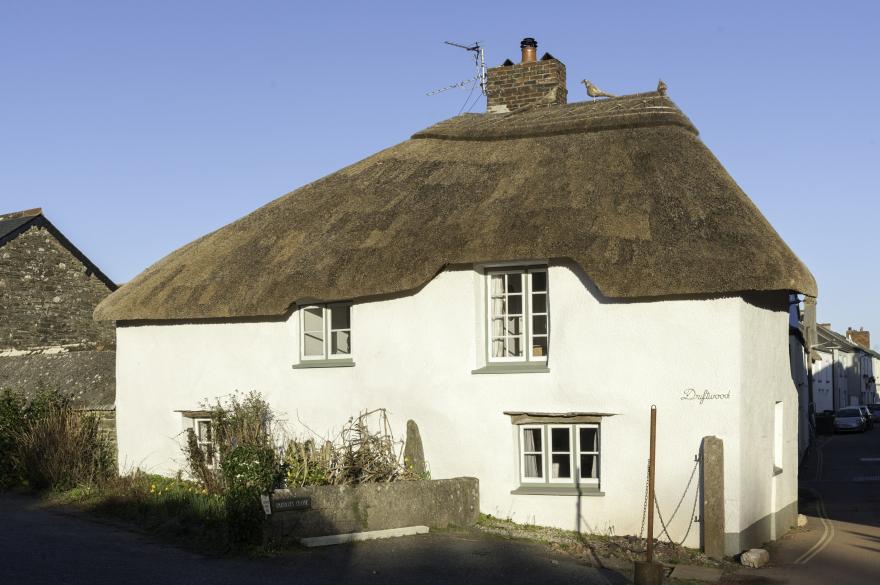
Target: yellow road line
827	533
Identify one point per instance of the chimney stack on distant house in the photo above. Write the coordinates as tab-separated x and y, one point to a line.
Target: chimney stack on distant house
530	83
860	337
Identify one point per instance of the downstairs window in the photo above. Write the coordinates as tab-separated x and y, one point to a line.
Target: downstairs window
559	455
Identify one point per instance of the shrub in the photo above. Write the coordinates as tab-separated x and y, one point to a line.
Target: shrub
248	466
248	471
46	443
12	423
59	447
246	421
358	455
198	462
304	464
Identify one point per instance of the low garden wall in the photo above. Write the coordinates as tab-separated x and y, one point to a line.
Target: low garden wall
325	510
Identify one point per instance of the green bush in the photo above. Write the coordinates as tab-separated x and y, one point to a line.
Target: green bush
13	421
248	465
248	471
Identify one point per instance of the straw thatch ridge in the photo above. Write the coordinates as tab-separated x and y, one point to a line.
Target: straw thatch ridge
623	186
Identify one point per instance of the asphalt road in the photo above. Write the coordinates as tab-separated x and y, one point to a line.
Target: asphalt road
39	546
840	494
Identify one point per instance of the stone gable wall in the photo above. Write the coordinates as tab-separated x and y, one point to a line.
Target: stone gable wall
47	296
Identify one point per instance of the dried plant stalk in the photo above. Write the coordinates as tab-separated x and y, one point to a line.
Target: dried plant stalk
358	455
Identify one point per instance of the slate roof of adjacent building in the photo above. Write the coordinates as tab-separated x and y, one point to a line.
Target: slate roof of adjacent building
623	186
87	377
831	339
12	222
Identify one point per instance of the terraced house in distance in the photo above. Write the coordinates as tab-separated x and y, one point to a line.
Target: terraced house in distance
524	284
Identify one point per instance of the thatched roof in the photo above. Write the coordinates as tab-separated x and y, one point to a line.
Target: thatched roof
623	186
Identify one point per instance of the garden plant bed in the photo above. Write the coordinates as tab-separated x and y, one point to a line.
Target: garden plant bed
612	552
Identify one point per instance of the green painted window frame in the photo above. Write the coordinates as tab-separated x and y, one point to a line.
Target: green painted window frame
327	359
547	485
527	363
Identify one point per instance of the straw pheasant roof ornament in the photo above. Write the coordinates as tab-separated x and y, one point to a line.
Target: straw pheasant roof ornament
593	91
661	87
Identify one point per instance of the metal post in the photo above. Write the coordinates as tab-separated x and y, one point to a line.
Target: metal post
648	572
652	467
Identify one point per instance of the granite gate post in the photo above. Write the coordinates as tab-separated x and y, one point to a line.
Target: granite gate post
713	497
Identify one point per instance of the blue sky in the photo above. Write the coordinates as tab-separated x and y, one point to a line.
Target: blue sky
139	126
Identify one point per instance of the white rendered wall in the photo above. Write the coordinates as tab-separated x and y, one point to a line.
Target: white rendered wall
766	379
801	381
823	385
414	355
875	387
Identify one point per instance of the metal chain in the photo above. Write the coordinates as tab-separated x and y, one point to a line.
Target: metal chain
645	505
677	507
693	515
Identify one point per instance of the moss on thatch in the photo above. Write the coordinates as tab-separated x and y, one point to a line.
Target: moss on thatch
623	186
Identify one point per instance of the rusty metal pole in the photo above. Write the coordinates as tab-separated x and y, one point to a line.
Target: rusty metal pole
652	469
648	572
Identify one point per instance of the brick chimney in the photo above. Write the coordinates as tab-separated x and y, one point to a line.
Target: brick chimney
530	83
860	337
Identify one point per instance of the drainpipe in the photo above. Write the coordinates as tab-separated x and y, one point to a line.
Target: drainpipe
811	340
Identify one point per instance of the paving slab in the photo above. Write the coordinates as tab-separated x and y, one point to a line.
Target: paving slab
694	573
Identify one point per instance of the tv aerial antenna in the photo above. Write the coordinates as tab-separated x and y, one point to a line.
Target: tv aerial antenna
479	62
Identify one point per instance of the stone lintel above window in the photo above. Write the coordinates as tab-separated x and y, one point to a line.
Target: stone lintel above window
195	413
564	418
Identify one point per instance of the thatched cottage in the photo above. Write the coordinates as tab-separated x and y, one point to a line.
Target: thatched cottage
522	283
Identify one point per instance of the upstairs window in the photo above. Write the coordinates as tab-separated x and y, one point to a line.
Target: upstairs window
518	315
325	331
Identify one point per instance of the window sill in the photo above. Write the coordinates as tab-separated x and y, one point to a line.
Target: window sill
562	490
305	364
513	368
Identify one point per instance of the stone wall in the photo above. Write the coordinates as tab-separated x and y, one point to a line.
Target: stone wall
47	296
378	506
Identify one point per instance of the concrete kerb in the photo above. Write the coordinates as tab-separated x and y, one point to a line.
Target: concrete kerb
360	536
